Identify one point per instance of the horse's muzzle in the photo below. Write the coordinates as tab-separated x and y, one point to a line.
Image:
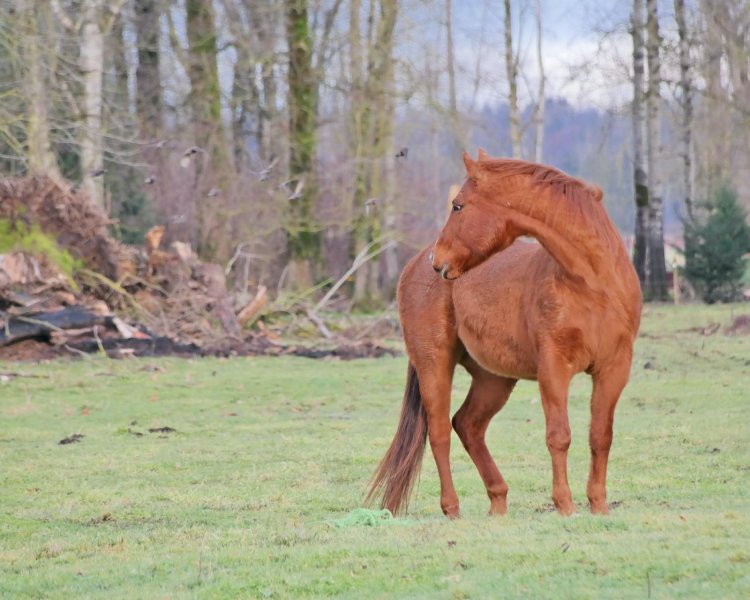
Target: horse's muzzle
442	271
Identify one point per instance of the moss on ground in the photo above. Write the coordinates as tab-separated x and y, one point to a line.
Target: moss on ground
17	236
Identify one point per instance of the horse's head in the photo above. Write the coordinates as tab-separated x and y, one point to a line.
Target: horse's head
477	226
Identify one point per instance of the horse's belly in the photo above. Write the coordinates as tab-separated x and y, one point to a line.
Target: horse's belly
499	352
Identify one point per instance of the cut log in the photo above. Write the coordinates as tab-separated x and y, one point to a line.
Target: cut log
247	314
40	325
116	348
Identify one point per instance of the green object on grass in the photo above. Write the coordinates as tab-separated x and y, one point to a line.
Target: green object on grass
363	516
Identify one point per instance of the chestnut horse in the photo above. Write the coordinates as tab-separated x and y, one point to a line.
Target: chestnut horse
507	310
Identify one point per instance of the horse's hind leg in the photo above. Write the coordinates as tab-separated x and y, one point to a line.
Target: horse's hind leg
487	395
608	385
435	380
554	379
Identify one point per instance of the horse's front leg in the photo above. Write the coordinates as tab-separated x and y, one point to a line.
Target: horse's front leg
608	385
435	386
554	379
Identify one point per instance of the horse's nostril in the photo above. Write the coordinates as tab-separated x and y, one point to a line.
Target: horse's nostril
444	271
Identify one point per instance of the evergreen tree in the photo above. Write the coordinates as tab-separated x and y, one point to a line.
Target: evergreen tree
714	250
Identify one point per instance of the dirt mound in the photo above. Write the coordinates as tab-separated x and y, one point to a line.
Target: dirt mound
68	287
68	257
76	223
739	326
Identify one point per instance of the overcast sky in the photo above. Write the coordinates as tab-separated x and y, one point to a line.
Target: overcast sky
581	63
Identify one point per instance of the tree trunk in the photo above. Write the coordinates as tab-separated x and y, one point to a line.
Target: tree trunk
40	155
271	122
245	101
640	181
383	142
92	68
205	94
377	130
511	70
656	280
304	238
713	167
205	103
148	97
244	98
460	142
539	110
687	106
361	113
117	91
259	79
732	17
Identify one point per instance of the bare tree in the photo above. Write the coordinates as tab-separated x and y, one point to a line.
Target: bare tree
92	67
511	70
640	180
459	135
304	236
267	19
687	105
147	76
540	99
205	94
656	275
212	162
374	119
96	19
41	158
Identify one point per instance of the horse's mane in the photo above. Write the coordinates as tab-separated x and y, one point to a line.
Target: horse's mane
574	189
583	201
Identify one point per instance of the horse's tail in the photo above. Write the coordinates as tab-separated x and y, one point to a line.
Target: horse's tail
399	469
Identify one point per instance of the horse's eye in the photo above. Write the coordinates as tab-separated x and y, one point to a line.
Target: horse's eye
457	207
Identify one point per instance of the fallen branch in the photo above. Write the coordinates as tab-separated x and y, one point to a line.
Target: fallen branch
58	338
362	258
43	324
248	314
14	374
318	322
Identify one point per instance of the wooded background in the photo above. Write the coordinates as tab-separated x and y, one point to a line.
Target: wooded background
292	140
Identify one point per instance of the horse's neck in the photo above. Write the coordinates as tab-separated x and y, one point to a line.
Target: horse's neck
584	243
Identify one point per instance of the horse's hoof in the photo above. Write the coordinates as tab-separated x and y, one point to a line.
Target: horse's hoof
566	510
452	512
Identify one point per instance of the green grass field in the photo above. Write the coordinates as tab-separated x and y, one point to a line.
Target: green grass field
242	499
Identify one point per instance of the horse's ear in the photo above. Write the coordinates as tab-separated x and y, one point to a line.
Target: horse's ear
482	155
596	192
471	166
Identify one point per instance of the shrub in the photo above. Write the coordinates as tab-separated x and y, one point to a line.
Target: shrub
714	249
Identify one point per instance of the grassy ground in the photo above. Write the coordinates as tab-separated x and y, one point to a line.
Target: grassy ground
238	501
